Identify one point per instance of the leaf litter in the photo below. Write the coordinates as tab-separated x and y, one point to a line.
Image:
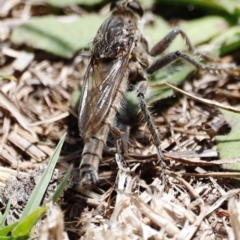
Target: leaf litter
200	200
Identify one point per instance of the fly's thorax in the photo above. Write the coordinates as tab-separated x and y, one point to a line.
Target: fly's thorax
113	37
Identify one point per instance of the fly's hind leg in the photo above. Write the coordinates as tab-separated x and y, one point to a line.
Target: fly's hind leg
147	116
170	57
119	146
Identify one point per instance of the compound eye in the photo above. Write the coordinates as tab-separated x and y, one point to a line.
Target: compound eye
113	5
136	8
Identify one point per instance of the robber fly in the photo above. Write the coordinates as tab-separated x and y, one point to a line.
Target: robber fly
119	57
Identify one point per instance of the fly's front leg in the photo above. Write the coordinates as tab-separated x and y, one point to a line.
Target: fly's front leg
168	39
170	57
141	93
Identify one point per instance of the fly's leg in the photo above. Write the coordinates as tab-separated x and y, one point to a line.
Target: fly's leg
141	93
119	145
168	39
163	44
119	154
170	57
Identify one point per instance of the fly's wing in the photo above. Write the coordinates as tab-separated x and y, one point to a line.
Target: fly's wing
101	83
102	80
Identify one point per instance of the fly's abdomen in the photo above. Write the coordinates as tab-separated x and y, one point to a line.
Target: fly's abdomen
92	151
91	156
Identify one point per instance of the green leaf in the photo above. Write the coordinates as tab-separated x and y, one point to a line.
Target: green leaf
57	37
38	192
175	74
203	29
65	3
24	227
223	7
4	231
231	6
157	30
228	41
14	238
4	216
228	145
146	3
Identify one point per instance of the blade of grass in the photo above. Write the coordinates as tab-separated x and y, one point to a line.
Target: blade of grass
7	77
38	192
14	238
4	216
24	227
4	231
61	186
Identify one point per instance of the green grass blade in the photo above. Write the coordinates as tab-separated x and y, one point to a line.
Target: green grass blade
14	238
38	192
4	216
24	227
62	185
4	231
7	77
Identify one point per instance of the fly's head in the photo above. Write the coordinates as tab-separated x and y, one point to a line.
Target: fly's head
127	7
